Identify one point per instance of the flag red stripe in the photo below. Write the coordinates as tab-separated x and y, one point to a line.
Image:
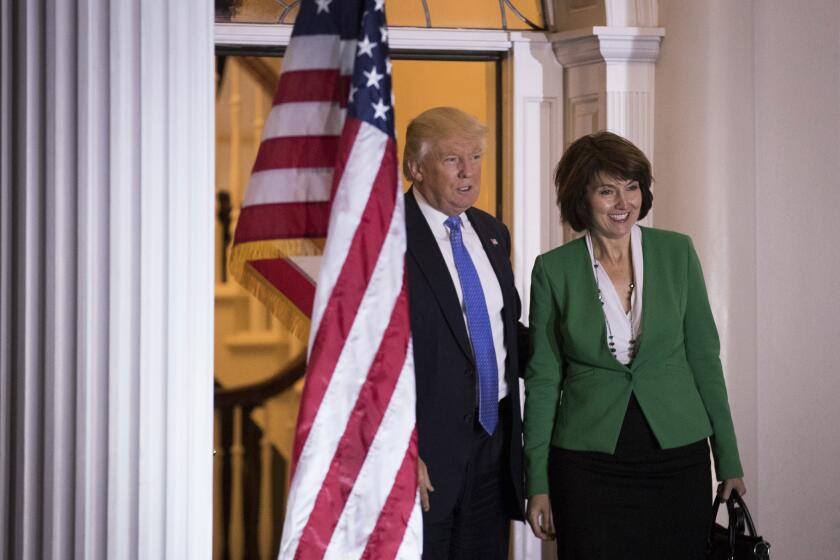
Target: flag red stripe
387	535
313	85
348	135
286	152
288	279
347	294
283	220
359	433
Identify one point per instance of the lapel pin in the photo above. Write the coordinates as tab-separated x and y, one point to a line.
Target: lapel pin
493	241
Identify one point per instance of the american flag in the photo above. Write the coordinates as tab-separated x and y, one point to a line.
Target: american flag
327	165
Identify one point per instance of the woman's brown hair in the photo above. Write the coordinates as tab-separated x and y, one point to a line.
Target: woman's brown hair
600	152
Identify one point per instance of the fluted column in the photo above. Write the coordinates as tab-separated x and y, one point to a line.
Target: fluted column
615	68
106	283
610	76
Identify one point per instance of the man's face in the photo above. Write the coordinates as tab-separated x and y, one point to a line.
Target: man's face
450	175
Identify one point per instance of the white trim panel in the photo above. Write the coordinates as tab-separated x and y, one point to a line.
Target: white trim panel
408	38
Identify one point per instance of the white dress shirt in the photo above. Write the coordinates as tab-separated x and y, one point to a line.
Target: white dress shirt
623	326
486	274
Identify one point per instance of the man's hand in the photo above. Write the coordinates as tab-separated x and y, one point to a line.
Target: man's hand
539	517
727	486
425	484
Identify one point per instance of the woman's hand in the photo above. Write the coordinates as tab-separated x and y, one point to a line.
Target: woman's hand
726	487
424	483
539	517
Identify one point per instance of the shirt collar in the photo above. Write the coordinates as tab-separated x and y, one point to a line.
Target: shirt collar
435	217
637	252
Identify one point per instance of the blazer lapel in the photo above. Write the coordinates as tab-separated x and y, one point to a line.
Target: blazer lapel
498	260
648	322
424	249
591	318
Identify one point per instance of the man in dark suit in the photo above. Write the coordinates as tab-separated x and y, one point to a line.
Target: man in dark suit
464	320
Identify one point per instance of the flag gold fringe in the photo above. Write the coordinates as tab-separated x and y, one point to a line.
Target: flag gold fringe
254	282
273	249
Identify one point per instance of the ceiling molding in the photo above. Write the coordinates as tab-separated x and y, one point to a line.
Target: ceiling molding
607	44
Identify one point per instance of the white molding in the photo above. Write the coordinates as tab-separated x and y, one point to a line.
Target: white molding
632	13
537	100
607	44
92	286
582	114
7	277
573	49
403	38
252	34
418	38
537	136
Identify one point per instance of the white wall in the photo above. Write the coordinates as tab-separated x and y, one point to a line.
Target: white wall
797	108
747	162
704	154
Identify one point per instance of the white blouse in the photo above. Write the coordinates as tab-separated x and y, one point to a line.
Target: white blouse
622	326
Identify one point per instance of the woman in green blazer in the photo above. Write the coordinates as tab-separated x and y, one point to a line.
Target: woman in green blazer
624	384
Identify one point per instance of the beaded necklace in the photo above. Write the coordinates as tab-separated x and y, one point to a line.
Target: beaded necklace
633	343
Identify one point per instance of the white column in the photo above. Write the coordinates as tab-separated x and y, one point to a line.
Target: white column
92	289
631	13
610	80
537	145
624	61
106	246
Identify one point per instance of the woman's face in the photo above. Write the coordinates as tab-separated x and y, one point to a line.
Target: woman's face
615	205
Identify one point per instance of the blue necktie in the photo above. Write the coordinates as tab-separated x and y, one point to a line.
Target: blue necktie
478	322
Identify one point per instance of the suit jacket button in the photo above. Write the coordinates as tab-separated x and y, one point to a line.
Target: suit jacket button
468	372
468	418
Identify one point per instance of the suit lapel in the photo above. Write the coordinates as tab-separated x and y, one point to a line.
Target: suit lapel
423	247
498	259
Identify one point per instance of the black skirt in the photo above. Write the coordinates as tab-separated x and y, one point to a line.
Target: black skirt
643	503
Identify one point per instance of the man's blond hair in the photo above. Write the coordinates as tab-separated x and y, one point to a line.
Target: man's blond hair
430	127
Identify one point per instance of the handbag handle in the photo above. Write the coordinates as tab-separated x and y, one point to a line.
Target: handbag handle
739	521
738	517
730	527
734	499
746	512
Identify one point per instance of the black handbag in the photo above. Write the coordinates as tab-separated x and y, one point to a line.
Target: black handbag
739	540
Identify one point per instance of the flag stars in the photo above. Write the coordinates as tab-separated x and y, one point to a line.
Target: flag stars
383	31
380	110
366	46
353	90
380	5
373	77
323	6
388	66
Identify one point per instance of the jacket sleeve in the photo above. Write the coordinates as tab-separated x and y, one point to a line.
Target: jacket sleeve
543	379
522	340
703	352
